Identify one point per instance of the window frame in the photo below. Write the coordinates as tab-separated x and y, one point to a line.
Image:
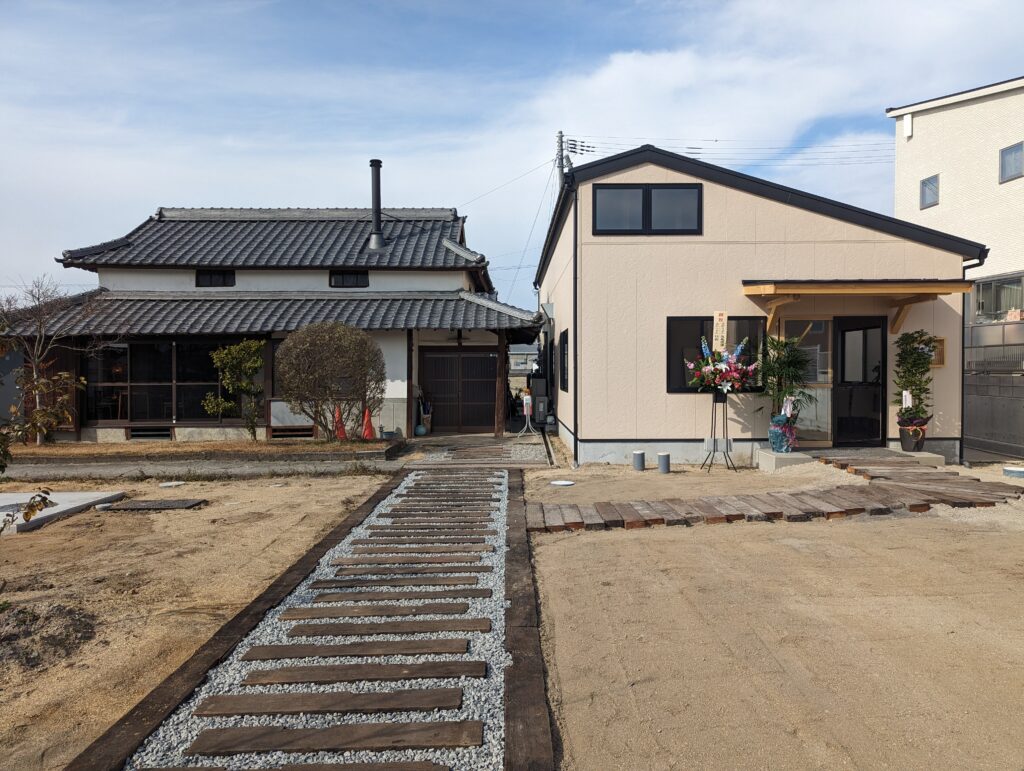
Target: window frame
921	188
1003	180
646	228
362	279
688	389
227	276
563	360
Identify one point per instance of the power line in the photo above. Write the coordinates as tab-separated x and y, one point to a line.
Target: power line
782	145
505	184
540	205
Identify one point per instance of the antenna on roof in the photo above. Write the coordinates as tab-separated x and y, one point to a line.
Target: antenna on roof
376	234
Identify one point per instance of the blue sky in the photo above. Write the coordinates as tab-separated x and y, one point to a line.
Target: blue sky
108	110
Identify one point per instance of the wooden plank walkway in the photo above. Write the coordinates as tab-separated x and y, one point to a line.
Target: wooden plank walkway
893	483
431	553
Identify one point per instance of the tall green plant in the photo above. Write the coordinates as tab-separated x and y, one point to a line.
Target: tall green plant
914	354
238	366
784	371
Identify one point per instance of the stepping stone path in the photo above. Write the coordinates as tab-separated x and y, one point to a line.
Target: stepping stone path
894	483
390	656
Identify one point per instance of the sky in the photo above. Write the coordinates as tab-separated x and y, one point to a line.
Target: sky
109	110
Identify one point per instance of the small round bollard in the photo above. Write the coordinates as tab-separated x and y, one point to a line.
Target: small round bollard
664	463
639	460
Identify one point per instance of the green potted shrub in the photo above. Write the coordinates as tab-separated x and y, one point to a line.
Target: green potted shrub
913	375
784	372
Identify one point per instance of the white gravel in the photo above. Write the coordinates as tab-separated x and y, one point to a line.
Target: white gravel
483	698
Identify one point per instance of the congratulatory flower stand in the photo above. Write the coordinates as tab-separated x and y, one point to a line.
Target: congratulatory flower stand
721	373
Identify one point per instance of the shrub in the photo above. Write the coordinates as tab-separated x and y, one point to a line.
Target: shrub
238	366
914	354
331	373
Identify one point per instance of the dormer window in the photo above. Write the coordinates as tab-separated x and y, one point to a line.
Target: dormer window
215	278
350	279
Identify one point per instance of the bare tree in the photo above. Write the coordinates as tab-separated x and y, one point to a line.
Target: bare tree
332	374
39	322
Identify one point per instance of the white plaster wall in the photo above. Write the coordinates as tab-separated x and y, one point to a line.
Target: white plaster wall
165	280
961	142
393	346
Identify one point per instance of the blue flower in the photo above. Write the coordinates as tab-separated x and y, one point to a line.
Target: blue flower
704	347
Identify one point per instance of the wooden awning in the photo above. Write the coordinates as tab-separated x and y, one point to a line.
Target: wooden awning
901	293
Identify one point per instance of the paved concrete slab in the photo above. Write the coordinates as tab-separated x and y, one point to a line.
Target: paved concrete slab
66	504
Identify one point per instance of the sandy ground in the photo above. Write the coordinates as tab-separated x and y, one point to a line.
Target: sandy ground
131	595
72	450
866	642
620	483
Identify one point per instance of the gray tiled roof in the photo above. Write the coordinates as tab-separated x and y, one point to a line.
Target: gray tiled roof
285	238
175	313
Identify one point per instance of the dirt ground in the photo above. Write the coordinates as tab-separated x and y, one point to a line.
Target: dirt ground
156	450
620	483
893	641
96	609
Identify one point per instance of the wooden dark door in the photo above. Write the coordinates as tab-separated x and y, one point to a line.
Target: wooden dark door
460	386
858	390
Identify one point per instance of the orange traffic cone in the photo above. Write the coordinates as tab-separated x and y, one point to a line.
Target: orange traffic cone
339	426
368	425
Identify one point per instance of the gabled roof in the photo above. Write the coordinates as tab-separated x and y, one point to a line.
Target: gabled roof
958	96
748	184
233	312
417	239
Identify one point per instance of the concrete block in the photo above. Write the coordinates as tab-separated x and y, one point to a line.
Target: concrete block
771	461
927	458
1017	472
66	504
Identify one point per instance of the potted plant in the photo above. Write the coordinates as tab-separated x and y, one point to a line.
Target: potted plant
913	381
784	373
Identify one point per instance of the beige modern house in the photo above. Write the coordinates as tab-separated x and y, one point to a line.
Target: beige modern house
645	248
960	167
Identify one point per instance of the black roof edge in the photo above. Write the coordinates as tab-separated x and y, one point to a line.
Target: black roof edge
89	251
764	189
557	219
955	93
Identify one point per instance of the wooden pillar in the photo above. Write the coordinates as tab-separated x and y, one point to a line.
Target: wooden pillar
501	385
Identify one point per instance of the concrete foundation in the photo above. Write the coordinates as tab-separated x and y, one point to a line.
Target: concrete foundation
687	452
949	449
103	435
215	434
771	461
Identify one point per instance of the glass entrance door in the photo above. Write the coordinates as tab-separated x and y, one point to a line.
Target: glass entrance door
858	389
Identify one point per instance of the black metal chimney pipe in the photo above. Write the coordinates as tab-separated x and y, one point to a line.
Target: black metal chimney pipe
376	235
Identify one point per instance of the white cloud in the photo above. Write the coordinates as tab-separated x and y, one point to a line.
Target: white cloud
85	158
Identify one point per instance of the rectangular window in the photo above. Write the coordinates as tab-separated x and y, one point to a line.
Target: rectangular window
930	191
349	279
215	278
1011	162
675	209
685	332
618	209
563	360
814	336
994	299
648	209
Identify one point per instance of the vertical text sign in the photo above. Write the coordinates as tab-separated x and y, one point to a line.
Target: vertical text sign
718	341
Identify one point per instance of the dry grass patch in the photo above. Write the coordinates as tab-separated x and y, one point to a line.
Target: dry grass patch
96	609
158	450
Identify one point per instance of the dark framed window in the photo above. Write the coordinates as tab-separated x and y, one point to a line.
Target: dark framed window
155	381
930	191
1011	162
648	209
349	279
563	360
215	278
684	334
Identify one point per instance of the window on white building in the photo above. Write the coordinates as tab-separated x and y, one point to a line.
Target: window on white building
1011	162
930	191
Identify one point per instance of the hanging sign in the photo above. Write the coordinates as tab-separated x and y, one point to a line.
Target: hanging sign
908	400
718	341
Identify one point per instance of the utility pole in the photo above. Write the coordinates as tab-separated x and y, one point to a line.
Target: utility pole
559	153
